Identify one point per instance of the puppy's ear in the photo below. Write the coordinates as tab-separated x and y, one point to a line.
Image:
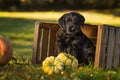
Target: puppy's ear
61	22
82	20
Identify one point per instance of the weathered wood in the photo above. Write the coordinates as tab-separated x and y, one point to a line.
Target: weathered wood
90	31
93	39
110	47
98	46
116	61
52	26
104	43
52	43
39	58
36	43
48	50
44	44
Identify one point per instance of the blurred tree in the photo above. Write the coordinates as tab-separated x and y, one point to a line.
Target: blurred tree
57	4
101	4
116	3
10	5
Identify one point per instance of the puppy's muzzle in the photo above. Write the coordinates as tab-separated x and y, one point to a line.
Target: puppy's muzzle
72	29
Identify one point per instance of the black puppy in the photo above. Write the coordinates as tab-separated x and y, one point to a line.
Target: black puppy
72	40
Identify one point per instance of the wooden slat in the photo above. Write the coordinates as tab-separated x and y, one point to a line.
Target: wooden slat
98	47
91	25
110	47
52	43
38	60
116	62
93	39
44	44
104	47
90	31
48	25
48	50
36	43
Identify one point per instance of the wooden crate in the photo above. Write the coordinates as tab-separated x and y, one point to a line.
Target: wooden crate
44	41
104	37
108	47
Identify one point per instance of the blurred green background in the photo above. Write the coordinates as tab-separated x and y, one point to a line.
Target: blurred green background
15	5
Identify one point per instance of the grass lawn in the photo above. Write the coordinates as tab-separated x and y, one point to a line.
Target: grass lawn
18	27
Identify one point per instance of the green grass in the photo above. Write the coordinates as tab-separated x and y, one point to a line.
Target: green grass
18	28
20	33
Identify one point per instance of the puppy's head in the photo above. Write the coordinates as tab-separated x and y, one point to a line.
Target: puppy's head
71	22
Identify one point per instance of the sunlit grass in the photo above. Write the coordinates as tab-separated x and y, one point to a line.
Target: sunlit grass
92	17
32	15
100	18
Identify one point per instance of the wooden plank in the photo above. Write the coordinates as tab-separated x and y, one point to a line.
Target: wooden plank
110	47
39	47
48	50
91	25
93	39
44	44
52	43
104	43
48	25
36	43
90	31
116	62
98	46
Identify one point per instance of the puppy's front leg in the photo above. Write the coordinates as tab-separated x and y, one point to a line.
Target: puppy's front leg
61	43
60	46
78	52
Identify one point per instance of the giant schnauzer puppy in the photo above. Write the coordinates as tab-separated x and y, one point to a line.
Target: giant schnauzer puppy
72	40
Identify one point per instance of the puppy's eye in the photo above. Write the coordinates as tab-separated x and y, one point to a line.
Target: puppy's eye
76	19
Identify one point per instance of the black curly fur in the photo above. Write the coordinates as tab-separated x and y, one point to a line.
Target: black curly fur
72	40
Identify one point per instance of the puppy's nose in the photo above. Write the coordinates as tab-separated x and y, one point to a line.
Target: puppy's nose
72	28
